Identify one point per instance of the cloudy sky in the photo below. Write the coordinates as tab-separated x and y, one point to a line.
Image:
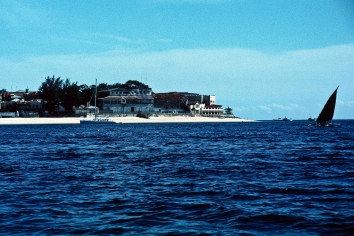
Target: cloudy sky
264	59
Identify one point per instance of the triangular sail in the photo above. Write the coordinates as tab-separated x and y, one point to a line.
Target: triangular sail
328	109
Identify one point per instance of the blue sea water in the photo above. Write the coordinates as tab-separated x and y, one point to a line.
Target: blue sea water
265	178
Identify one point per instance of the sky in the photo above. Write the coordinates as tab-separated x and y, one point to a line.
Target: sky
264	59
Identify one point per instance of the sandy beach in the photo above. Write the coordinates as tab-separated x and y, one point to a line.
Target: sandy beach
119	120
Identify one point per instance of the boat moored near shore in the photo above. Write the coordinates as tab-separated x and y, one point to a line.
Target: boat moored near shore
97	119
284	119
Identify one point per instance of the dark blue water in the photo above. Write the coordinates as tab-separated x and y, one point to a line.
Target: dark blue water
177	179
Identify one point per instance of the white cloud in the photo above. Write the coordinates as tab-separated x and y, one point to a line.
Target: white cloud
232	61
265	108
285	107
242	77
163	40
80	40
119	38
238	109
346	104
21	14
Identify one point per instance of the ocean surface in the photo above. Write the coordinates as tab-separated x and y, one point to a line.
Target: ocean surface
264	178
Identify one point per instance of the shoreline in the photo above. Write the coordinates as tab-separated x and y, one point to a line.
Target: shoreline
119	120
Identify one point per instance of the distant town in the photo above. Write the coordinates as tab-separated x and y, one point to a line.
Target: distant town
59	98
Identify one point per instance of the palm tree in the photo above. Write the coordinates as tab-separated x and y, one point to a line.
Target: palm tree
228	111
70	95
50	91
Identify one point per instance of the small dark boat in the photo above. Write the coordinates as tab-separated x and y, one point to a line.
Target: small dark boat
311	119
327	112
284	119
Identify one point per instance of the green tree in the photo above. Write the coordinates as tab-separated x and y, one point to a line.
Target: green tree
70	95
50	91
105	86
131	83
115	85
228	111
86	94
102	86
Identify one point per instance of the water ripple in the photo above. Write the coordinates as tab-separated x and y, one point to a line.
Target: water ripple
177	179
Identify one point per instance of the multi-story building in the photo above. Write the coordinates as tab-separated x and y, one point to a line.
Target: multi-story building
182	102
128	99
24	102
212	110
172	102
201	99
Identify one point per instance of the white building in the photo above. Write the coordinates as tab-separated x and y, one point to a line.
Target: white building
128	99
204	105
128	104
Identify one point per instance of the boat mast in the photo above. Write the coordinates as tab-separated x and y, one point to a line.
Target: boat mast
95	99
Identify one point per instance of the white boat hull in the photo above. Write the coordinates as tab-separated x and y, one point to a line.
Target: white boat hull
97	120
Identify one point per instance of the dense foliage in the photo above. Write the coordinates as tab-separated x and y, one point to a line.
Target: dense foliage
55	92
51	91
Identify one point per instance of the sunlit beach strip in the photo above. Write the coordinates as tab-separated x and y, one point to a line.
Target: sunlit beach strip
119	120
